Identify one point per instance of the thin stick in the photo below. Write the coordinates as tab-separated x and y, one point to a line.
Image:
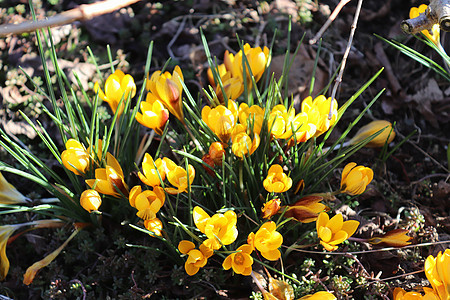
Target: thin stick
344	59
327	24
82	12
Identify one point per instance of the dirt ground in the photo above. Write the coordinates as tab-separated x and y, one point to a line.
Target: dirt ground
411	185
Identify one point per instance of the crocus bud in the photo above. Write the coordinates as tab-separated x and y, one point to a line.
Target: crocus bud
270	208
386	136
90	200
355	179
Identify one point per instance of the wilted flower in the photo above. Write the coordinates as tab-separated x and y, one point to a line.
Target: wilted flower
334	231
276	181
5	232
196	258
178	177
267	240
251	117
242	143
270	208
216	152
318	111
90	200
322	295
154	115
355	179
220	228
110	179
279	290
148	202
31	272
385	137
154	225
168	88
150	176
393	238
240	261
433	34
221	120
437	270
306	209
75	158
8	193
117	86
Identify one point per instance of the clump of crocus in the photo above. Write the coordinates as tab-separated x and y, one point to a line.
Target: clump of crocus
267	240
305	210
168	88
9	194
276	181
334	231
154	225
243	144
154	115
90	200
197	258
270	208
386	136
179	177
221	120
393	238
153	171
220	229
75	158
318	111
147	202
355	179
118	87
109	180
433	34
241	260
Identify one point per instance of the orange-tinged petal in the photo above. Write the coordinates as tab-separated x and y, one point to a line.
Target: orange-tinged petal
185	246
32	270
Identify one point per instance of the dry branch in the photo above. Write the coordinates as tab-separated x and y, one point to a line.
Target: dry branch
80	13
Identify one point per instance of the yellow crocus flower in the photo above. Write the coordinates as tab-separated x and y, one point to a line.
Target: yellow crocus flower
154	225
240	261
148	203
8	193
242	143
334	231
276	181
270	208
386	136
267	240
306	209
318	111
154	115
110	179
221	120
322	295
196	258
401	294
355	179
434	33
90	200
168	88
75	158
437	270
178	177
251	116
117	86
220	228
150	173
393	238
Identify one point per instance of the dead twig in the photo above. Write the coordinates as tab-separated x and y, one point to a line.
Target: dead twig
82	12
344	58
330	20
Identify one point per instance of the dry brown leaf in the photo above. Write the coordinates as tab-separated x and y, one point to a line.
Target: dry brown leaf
22	127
